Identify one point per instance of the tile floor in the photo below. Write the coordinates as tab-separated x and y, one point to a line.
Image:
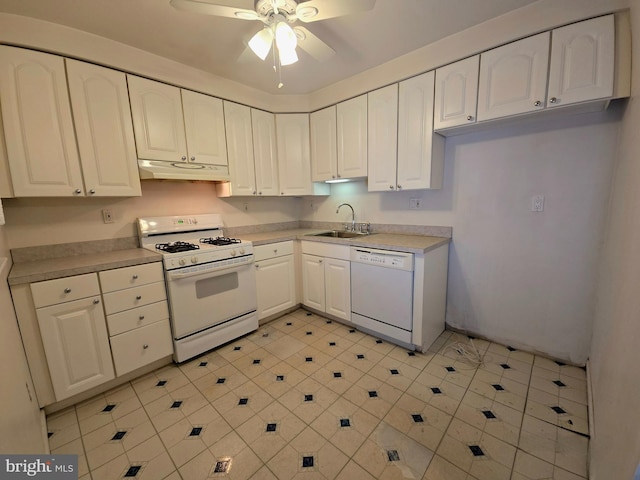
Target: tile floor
304	397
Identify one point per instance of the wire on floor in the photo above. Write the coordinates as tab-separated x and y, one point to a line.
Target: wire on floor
468	353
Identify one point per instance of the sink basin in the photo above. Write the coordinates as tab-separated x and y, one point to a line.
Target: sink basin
340	234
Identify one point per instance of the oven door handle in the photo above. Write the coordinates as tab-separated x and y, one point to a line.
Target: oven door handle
212	273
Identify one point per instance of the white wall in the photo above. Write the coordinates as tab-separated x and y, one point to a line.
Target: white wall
519	277
615	442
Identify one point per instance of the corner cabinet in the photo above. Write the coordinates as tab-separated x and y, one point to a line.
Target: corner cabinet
275	278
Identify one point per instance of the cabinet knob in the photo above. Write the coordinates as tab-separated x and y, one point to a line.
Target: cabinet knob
92	191
339	176
193	159
281	193
390	187
553	100
469	117
399	187
96	301
67	290
138	297
257	266
320	261
141	317
275	250
333	176
145	346
537	103
259	193
135	277
254	192
77	191
183	158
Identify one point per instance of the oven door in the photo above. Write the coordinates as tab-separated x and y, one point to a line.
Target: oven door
203	299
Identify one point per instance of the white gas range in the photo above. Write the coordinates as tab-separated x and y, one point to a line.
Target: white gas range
210	279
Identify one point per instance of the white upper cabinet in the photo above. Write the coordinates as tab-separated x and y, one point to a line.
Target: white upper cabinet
420	151
513	78
324	149
265	152
240	150
351	122
456	93
104	130
582	62
382	125
157	120
38	127
204	128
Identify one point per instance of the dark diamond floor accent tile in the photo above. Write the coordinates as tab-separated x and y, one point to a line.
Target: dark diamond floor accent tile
344	422
560	383
308	397
560	364
289	324
271	427
279	378
309	333
337	375
49	434
352	331
450	369
308	359
329	321
476	450
511	349
394	371
379	341
203	364
243	401
558	410
373	394
161	383
436	390
221	380
471	337
307	462
222	466
265	335
195	431
235	349
332	344
506	366
498	387
309	314
176	404
132	471
393	455
411	354
488	414
257	361
109	408
417	418
360	356
119	435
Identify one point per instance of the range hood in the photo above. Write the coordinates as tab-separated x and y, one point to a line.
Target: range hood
159	170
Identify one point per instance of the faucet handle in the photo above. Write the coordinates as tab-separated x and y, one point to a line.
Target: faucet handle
365	227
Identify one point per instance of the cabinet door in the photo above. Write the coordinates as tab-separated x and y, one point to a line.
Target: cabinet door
456	93
204	128
74	335
294	161
513	78
276	286
582	62
240	149
337	284
324	150
382	125
351	119
104	130
420	151
158	122
38	129
264	148
313	282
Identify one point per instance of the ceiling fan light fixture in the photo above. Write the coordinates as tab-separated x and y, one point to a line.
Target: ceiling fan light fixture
286	39
261	43
287	56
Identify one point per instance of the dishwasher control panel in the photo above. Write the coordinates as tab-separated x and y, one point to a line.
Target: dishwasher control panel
382	258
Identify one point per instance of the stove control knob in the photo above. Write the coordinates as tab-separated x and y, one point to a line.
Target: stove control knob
233	253
194	259
241	251
182	261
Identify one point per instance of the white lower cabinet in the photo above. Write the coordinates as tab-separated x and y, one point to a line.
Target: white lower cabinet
275	278
74	333
326	278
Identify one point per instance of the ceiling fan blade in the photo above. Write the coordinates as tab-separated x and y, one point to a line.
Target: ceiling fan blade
313	45
314	10
206	8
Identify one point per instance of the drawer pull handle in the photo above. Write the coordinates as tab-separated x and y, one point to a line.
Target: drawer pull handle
67	290
145	346
135	277
96	301
141	317
138	297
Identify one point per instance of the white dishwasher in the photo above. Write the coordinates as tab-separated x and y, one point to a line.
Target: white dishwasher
382	293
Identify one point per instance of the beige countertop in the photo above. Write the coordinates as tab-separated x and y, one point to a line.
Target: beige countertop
37	271
419	244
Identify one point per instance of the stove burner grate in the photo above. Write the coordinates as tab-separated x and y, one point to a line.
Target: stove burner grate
219	240
175	247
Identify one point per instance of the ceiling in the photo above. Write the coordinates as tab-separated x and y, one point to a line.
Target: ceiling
214	44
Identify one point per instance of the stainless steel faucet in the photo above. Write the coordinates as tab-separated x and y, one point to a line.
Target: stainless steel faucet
353	215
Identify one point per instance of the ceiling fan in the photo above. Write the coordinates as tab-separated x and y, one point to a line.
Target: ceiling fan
277	17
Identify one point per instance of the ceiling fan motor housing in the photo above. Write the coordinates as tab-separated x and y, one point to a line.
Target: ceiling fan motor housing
287	8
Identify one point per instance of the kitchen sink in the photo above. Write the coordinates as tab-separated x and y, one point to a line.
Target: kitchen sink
341	234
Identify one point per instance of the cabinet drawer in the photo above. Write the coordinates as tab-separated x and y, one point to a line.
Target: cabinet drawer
330	250
141	346
272	250
121	278
137	317
133	297
51	292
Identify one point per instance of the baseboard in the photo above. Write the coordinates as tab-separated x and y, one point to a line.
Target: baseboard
590	412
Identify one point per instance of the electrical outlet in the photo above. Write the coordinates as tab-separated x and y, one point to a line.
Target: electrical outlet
415	204
107	215
537	203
